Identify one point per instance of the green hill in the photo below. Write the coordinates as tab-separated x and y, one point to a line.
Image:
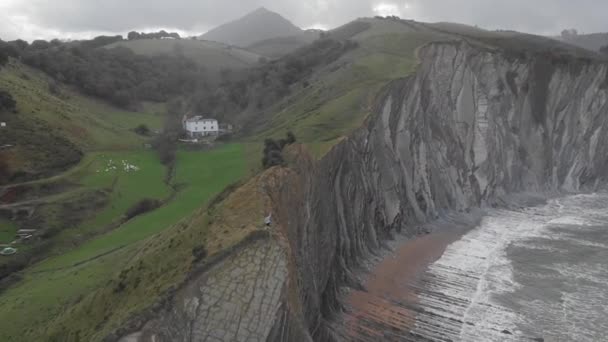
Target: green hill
83	234
337	95
50	130
212	56
281	46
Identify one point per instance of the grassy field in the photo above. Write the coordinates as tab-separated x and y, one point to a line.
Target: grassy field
8	231
124	188
52	286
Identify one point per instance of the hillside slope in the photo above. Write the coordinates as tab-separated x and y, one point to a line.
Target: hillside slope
51	130
84	230
281	46
212	56
336	97
592	41
256	26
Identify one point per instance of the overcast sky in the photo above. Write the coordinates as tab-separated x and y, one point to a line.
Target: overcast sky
46	19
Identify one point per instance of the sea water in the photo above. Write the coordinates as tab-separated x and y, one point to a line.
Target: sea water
533	274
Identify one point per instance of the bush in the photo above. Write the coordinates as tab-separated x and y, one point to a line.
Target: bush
142	207
273	150
199	253
142	130
7	103
54	88
5	173
291	138
7	50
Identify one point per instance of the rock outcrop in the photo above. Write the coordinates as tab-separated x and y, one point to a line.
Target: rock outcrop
471	126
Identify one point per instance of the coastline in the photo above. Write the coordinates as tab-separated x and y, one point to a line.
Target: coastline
386	307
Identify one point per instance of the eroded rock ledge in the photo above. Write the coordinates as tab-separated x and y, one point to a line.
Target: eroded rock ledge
469	127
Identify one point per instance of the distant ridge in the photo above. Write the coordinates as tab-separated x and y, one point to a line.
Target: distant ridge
591	41
254	27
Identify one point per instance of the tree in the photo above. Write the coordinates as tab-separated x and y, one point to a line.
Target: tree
166	143
117	75
4	172
40	45
19	44
291	138
133	35
7	50
604	50
101	41
3	58
569	34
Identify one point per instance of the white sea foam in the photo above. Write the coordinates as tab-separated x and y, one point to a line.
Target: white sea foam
472	294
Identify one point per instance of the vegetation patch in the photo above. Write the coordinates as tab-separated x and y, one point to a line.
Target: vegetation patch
49	133
57	284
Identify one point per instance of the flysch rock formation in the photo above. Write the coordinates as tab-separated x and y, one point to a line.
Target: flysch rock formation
231	302
470	127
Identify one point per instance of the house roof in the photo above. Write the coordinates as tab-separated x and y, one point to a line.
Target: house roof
199	118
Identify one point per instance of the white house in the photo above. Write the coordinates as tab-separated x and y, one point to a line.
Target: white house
197	126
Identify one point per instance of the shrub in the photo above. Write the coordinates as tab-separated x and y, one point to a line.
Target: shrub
142	207
273	150
7	103
291	138
199	253
5	173
142	130
54	88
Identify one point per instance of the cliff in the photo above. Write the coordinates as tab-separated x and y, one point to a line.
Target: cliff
471	126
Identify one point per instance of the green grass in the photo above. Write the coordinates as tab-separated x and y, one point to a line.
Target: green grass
89	123
125	189
55	284
202	174
8	230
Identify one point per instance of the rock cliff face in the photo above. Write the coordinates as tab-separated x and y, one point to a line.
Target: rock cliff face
468	128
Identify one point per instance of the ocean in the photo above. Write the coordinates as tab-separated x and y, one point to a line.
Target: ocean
532	274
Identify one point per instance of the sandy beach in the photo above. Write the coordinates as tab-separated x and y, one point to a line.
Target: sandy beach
386	309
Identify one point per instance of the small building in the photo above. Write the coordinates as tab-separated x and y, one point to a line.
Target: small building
198	126
2	124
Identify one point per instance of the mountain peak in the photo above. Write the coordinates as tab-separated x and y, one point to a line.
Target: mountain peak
261	24
262	9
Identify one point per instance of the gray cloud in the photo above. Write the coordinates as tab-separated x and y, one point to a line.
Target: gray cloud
81	18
